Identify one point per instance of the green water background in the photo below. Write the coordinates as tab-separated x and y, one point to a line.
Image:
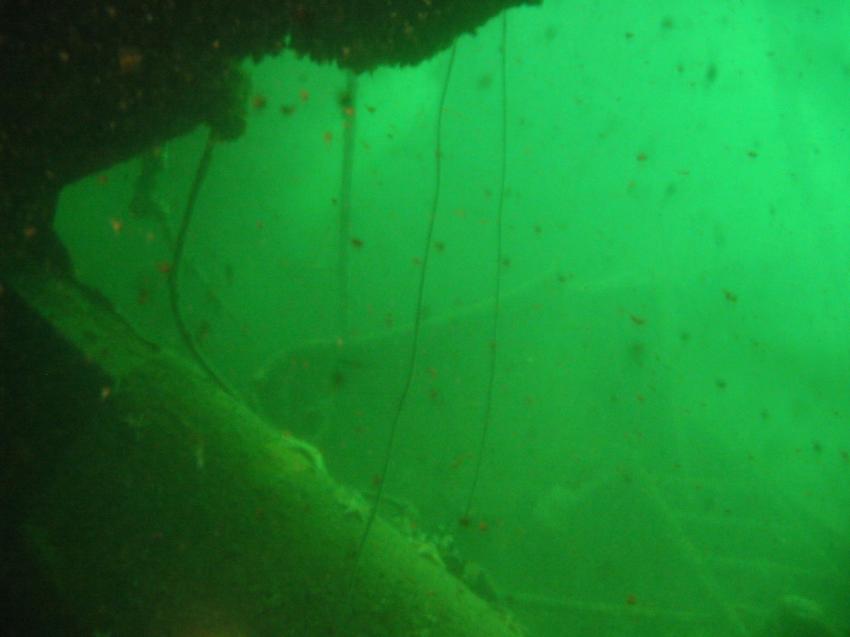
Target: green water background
671	422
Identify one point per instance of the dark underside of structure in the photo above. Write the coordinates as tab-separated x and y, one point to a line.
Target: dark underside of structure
87	84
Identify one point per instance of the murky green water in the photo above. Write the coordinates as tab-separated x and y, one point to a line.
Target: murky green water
669	434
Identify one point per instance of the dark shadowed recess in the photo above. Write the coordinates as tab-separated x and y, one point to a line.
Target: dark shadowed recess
87	84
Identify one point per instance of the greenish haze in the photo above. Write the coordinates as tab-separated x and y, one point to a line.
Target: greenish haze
669	449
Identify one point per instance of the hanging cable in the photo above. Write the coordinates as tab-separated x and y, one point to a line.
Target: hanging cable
348	103
491	369
417	323
173	278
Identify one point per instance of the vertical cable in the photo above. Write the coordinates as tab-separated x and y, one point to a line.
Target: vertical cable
349	137
417	322
491	370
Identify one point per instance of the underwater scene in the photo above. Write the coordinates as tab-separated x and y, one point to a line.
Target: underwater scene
544	334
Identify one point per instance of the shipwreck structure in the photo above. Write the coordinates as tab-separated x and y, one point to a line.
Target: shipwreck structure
138	497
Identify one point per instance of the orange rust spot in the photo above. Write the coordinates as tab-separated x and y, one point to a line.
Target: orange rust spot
129	59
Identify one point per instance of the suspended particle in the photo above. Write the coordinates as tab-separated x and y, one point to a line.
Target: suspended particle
129	59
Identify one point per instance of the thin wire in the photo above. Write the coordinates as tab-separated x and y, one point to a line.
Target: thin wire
491	371
179	249
344	235
417	322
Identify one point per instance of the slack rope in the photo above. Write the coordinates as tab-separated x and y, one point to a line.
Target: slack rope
179	249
